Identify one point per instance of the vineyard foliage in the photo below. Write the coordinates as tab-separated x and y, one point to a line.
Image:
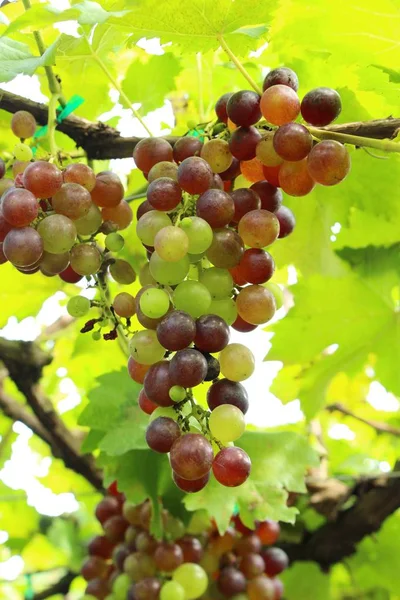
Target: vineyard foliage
339	342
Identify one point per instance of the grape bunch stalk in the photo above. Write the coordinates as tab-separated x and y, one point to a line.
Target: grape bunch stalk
126	562
208	264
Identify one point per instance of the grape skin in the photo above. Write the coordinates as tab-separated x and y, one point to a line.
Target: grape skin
23	124
163	169
282	76
80	173
259	228
185	147
157	383
216	207
190	486
164	193
168	557
19	207
120	215
293	141
243	108
191	456
188	368
321	106
151	151
243	142
270	196
256	266
225	391
256	304
58	233
245	200
276	561
221	107
231	581
23	247
161	434
212	333
231	467
195	175
226	249
286	220
237	362
295	178
328	162
216	152
43	179
280	104
177	330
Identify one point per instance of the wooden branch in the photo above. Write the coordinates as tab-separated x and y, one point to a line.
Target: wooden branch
60	587
375	501
103	142
24	362
377	425
17	412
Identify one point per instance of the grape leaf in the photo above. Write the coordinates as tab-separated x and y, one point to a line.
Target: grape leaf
129	434
40	16
91	13
16	58
306	580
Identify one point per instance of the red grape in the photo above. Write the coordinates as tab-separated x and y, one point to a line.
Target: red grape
5	227
261	588
226	249
136	370
115	527
162	433
231	466
70	276
190	486
252	565
271	174
147	405
270	196
242	325
19	207
168	557
225	391
248	544
232	172
245	200
212	333
295	178
268	531
43	179
256	304
321	106
185	147
187	368
157	383
164	194
276	561
286	220
216	207
94	567
100	546
280	104
243	108
259	228
107	507
243	142
80	173
231	582
293	141
281	76
221	107
146	589
108	190
191	548
151	151
23	247
176	331
257	266
98	588
191	456
121	215
328	162
195	175
23	124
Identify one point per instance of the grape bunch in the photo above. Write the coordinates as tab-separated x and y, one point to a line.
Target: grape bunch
126	562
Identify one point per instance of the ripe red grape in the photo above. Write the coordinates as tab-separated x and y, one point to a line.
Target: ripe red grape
256	304
107	507
54	264
256	266
270	196
252	170
19	207
212	333
115	527
146	589
163	169
147	405
321	106
271	174
231	466
100	546
243	108
216	207
98	588
248	544
161	434
157	383
276	561
245	200
268	531
295	178
136	370
93	567
191	456
151	151
232	172
328	162
168	557
281	76
164	194
286	220
176	331
231	582
225	391
221	107
188	368
69	275
293	141
242	325
23	247
43	179
120	215
226	249
108	190
195	175
280	104
243	142
143	208
5	227
252	565
259	228
191	548
72	200
190	486
185	147
80	173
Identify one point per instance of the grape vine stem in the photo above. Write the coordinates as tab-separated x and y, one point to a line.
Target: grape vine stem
238	64
105	296
52	123
355	140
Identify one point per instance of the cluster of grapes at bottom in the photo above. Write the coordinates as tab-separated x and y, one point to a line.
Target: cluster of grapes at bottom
127	563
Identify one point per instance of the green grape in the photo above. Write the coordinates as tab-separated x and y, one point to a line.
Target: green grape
150	224
227	423
177	393
89	597
114	242
57	232
85	259
96	335
192	297
224	308
121	586
277	293
23	152
154	303
172	590
171	243
199	233
78	306
195	258
173	527
91	222
199	522
110	597
168	273
145	347
219	282
236	362
192	578
145	277
163	412
218	155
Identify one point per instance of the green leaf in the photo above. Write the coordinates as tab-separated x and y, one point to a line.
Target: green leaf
150	81
91	13
92	440
40	16
306	580
16	58
127	435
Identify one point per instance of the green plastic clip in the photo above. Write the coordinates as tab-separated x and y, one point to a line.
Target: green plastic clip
29	592
62	113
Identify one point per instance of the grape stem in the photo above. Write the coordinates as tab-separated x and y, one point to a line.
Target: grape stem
355	140
52	123
104	293
54	84
119	89
238	64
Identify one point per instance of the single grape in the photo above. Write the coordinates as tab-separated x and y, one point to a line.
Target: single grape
245	200
328	162
248	544
191	456
69	275
100	546
227	423
256	304
237	276
72	200
252	565
58	234
218	282
22	152
276	561
226	249
80	173
154	302
145	347
161	434
224	308
185	147
114	242
164	193
168	557
280	104
237	362
226	392
231	466
295	178
192	297
139	566
242	325
188	368
107	507
122	272
192	578
221	107
270	196
23	247
150	224
259	228
163	169
121	215
177	393
212	333
19	207
43	179
281	76
268	531
231	581
85	259
293	141
150	151
172	590
256	266
216	152
243	108
168	273
23	124
145	542
108	190
143	208
232	172
199	234
157	383
97	588
271	174
213	368
252	170
216	207
171	243
243	142
191	548
261	588
146	404
146	589
176	331
124	305
78	306
321	106
91	222
195	175
94	567
190	486
114	528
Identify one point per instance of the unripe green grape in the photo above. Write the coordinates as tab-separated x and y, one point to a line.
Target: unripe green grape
150	224
122	272
172	590
114	242
154	303
277	293
192	578
91	222
78	306
58	233
196	258
96	335
145	347
163	412
236	362
85	259
145	277
218	281
224	308
177	393
199	233
168	273
192	297
171	243
22	152
218	155
121	586
227	423
173	527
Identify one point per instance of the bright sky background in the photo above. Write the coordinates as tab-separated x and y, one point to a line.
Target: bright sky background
25	468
